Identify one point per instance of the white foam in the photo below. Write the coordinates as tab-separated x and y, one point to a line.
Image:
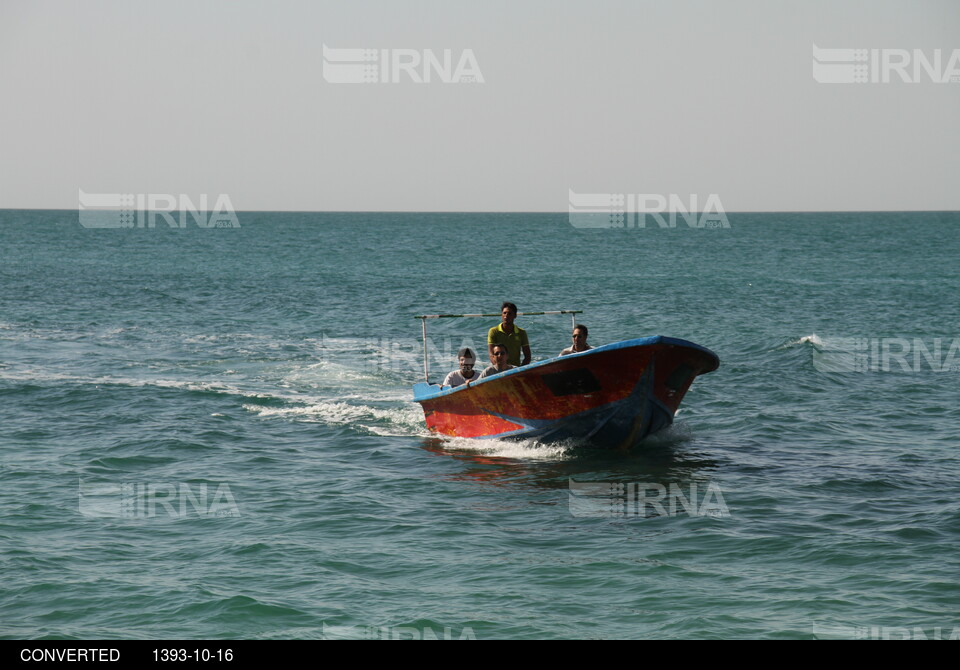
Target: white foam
37	375
519	450
407	417
812	339
43	375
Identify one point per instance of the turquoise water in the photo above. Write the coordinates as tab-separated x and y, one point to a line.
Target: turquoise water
208	432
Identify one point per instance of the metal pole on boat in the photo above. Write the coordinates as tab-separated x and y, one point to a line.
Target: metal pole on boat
426	376
460	316
423	319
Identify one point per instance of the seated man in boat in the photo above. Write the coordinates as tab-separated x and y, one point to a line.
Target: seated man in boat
514	337
579	341
499	360
466	373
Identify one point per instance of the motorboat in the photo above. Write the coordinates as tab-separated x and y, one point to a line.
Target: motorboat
612	396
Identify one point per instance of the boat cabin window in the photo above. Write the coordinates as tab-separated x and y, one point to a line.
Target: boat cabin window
571	382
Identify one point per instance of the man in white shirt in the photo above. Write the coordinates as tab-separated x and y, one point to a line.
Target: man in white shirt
466	373
579	341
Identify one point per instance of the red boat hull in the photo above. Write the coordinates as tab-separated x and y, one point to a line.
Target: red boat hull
611	396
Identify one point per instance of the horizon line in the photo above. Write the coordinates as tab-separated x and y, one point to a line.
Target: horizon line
490	211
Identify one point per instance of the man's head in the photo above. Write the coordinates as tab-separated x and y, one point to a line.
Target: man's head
508	313
579	335
467	360
499	355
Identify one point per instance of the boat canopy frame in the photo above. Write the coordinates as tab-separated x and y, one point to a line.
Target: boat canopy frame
423	318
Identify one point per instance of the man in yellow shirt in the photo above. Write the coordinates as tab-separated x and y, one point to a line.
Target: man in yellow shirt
511	336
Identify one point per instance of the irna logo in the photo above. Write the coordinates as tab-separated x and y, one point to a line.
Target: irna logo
142	210
619	210
393	66
882	66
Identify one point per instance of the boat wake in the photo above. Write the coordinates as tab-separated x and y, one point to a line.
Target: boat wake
402	421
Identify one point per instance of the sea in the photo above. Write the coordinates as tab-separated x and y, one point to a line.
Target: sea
208	432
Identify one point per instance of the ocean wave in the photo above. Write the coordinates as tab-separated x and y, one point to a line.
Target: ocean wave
813	339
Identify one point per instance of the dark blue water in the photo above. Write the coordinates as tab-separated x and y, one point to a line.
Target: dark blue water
210	433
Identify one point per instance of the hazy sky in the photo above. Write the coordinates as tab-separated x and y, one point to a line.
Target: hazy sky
662	97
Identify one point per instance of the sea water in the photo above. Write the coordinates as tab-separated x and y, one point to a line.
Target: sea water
210	433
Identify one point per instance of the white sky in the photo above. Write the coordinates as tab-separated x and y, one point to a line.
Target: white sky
664	97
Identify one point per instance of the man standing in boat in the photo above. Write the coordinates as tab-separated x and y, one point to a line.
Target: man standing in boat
579	341
511	336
